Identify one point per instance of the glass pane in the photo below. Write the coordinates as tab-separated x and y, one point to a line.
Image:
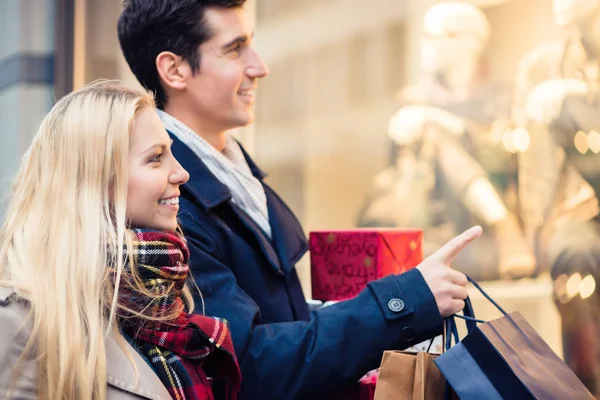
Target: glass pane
441	120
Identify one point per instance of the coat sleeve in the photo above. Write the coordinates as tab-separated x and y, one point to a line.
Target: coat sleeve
18	379
310	359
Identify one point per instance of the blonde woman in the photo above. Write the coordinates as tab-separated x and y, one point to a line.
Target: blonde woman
93	300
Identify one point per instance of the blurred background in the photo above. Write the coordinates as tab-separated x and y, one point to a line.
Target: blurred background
393	113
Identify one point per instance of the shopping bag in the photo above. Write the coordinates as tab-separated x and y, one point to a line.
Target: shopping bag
409	376
505	359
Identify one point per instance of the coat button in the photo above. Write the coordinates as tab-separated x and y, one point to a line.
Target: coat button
396	305
408	334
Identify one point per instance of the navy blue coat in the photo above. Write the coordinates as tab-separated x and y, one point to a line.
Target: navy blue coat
285	352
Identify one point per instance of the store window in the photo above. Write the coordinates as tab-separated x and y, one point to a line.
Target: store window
431	120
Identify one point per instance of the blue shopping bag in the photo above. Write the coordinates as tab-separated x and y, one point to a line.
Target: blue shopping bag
504	359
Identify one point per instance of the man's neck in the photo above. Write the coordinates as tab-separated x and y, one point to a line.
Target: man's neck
214	136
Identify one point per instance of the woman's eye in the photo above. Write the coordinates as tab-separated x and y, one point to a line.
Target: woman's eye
156	158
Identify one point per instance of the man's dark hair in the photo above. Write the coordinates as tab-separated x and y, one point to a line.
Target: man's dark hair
148	27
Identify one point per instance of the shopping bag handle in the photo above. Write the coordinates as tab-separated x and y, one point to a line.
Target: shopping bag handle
451	331
487	296
468	315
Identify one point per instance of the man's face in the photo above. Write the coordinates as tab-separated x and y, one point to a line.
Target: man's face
222	91
572	12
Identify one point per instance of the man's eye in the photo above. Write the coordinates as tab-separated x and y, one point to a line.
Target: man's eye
235	49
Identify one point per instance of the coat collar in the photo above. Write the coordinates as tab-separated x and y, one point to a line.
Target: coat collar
210	193
122	375
203	185
289	242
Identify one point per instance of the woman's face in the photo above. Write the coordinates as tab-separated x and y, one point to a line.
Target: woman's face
154	175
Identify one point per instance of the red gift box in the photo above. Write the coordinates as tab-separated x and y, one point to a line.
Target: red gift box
343	262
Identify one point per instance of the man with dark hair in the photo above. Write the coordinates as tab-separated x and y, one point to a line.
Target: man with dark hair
244	241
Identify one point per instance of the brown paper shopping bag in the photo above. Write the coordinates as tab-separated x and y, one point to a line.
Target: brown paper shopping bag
409	376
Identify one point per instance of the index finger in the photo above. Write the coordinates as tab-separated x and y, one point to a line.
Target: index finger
450	250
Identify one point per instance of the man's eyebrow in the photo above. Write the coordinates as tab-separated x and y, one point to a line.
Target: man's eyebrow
237	40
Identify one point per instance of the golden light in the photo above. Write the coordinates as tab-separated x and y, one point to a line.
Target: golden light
581	142
507	141
521	139
560	285
497	131
594	141
573	285
587	287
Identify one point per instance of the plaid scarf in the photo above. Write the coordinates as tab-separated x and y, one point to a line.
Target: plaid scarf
193	354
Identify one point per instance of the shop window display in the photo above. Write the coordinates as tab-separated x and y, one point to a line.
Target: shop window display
558	104
454	121
495	129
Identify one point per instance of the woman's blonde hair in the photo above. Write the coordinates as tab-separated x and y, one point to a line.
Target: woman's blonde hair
65	223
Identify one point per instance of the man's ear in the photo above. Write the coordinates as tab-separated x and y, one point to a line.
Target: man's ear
172	69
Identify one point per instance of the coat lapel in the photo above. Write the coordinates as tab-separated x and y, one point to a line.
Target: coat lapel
122	375
289	239
120	372
261	237
210	193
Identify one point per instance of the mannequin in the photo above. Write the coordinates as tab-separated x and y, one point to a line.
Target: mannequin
558	102
445	126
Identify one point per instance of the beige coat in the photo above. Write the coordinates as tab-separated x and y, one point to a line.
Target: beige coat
121	375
